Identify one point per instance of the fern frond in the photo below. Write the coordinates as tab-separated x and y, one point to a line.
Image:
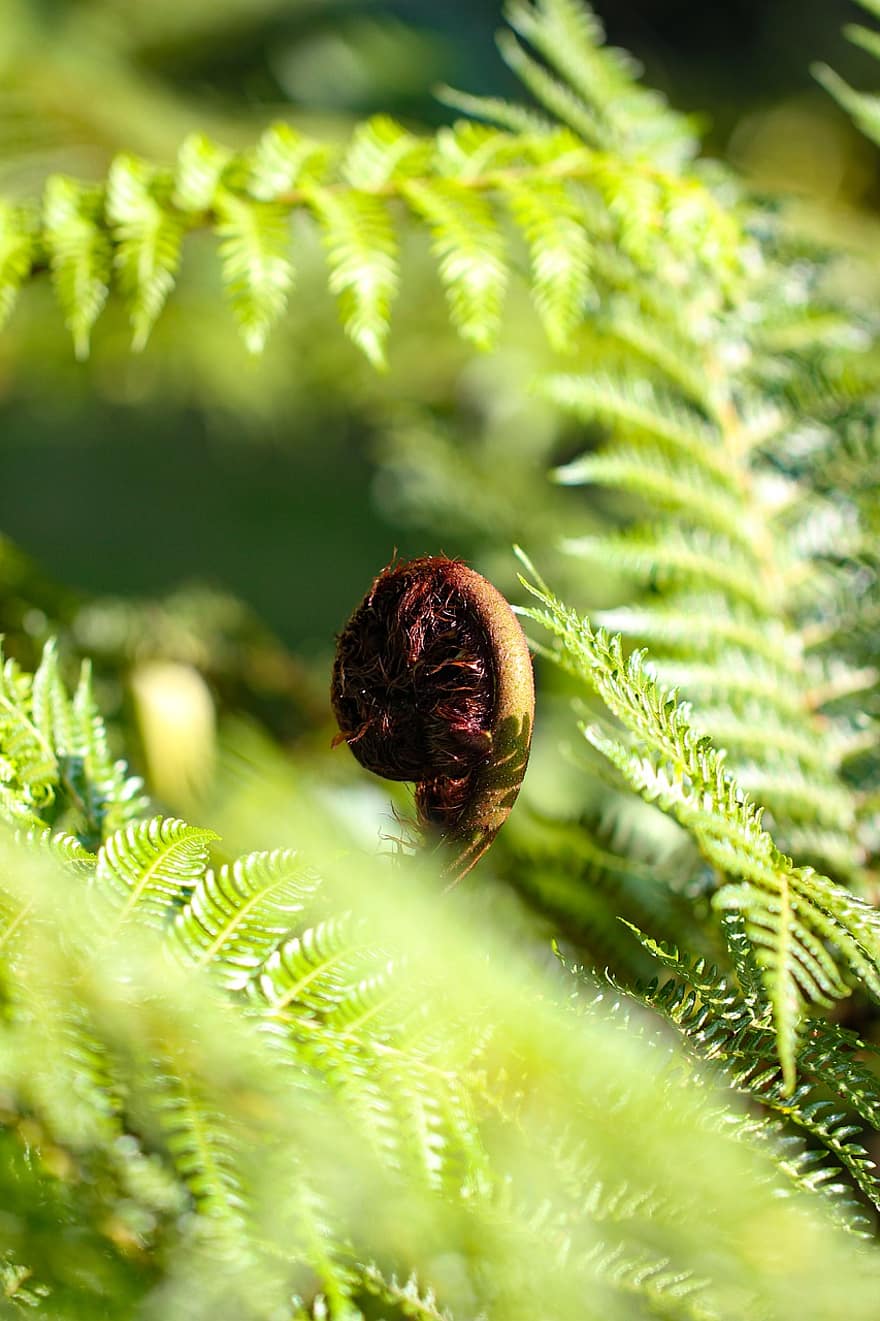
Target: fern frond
408	1298
721	625
790	913
381	150
257	271
284	159
147	235
236	916
863	107
17	250
80	254
361	250
470	249
110	797
146	870
639	410
559	248
311	972
735	1036
202	1151
693	491
675	557
200	167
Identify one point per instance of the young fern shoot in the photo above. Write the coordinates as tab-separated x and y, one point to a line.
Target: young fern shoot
433	683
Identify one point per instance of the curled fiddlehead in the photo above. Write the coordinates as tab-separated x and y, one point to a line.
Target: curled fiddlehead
433	683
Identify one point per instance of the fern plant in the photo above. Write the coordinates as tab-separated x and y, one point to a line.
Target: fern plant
206	1071
271	1085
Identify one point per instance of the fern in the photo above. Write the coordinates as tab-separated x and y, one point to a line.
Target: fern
790	912
147	239
273	1084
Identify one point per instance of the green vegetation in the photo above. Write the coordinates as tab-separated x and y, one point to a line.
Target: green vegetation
252	1065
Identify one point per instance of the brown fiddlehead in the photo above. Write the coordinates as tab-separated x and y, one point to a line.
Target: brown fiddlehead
433	683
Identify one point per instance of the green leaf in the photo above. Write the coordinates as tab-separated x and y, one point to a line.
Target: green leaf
148	236
362	254
559	247
200	167
237	915
147	869
80	254
257	272
17	248
470	250
282	160
382	150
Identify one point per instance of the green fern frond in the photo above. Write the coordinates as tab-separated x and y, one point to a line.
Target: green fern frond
862	106
561	101
200	167
735	1036
254	249
559	249
145	870
470	249
202	1151
675	557
790	913
381	150
147	237
109	796
283	160
236	916
362	253
312	971
80	254
17	250
639	410
408	1298
671	628
665	485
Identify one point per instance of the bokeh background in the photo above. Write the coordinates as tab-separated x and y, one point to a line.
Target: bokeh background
201	522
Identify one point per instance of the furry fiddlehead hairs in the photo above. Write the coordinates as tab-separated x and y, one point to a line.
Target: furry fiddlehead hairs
433	683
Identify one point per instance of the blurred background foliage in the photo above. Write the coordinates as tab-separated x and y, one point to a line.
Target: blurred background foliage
201	522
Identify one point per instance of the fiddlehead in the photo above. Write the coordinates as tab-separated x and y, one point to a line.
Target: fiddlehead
433	683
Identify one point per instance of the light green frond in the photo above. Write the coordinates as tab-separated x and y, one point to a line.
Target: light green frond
382	150
408	1298
17	249
665	485
676	557
110	797
200	166
311	972
257	272
790	913
285	159
559	249
28	766
636	409
362	254
467	242
202	1151
147	870
236	916
864	107
671	628
563	104
147	235
664	344
50	704
80	254
494	110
